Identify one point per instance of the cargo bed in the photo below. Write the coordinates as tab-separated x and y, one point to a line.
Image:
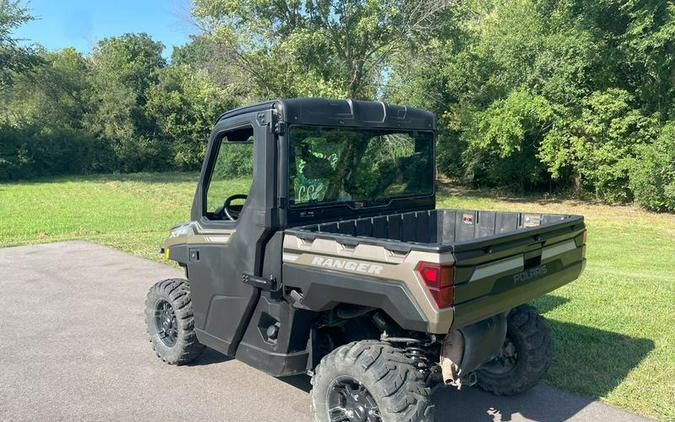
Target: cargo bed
501	259
440	230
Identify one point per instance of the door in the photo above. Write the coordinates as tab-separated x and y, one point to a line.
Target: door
233	208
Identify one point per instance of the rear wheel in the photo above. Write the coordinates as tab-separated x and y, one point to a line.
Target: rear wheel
524	358
170	322
369	381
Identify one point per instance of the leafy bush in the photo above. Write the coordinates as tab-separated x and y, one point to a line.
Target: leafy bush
234	160
33	152
595	145
652	176
141	153
504	141
449	149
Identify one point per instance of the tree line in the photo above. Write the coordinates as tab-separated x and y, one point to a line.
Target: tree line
531	95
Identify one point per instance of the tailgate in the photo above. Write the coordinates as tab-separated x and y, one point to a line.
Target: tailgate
497	273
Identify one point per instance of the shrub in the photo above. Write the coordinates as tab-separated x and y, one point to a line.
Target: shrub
27	152
652	176
235	160
596	146
449	149
503	142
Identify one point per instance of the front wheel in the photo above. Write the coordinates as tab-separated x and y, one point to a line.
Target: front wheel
170	322
524	358
369	381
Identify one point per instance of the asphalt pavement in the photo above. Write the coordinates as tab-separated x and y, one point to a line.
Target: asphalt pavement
73	347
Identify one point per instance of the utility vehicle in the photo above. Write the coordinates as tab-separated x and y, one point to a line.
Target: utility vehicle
336	263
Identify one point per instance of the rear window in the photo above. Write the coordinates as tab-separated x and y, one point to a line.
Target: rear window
364	167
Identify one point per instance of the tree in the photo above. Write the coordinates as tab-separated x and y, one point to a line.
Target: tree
530	94
131	59
596	148
333	48
637	40
41	114
503	149
123	70
536	94
184	104
55	91
15	58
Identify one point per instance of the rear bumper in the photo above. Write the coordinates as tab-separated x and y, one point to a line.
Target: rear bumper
484	307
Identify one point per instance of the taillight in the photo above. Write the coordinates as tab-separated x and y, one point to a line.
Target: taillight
438	280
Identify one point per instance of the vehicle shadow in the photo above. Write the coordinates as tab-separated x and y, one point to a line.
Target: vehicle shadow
542	404
594	370
210	357
301	382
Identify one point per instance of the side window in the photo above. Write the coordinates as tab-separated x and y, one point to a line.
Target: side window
231	175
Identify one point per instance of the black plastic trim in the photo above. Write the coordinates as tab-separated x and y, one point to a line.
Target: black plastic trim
324	289
355	113
212	341
274	363
482	342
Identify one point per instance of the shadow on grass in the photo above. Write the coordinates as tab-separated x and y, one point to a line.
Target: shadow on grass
548	303
588	361
593	361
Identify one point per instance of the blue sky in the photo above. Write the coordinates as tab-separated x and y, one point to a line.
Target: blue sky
81	23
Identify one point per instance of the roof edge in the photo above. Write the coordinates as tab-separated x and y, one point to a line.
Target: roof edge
348	113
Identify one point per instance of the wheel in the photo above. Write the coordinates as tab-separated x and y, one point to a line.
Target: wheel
369	381
525	356
170	322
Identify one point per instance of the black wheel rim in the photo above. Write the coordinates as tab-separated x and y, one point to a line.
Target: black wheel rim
165	321
349	401
505	361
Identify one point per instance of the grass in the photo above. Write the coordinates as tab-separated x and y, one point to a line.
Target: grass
614	328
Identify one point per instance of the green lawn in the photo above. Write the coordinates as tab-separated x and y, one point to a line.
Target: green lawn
614	328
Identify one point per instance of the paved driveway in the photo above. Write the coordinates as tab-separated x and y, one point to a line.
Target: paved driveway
73	347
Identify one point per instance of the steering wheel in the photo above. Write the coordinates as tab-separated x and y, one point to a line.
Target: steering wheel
232	211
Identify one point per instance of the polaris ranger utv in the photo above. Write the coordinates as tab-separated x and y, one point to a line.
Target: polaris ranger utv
336	263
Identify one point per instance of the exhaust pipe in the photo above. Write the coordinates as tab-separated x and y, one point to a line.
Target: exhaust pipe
464	350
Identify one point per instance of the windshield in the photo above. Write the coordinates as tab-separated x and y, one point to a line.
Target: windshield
365	167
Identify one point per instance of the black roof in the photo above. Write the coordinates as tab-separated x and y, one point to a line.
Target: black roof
321	111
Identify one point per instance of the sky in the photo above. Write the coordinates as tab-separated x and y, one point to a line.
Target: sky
81	23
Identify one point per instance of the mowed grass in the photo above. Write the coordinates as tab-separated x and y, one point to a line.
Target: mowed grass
614	328
132	212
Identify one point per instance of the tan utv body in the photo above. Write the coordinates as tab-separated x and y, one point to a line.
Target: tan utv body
339	265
